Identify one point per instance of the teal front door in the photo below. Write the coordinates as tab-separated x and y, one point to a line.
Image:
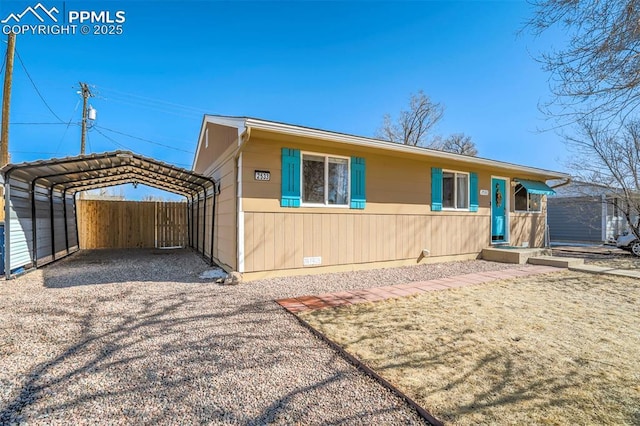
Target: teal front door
498	210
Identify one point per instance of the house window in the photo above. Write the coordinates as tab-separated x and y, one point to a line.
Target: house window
527	202
325	180
455	190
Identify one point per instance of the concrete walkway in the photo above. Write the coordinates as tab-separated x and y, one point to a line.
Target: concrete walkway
307	303
593	269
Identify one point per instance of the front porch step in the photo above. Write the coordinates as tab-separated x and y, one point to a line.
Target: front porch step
558	262
518	255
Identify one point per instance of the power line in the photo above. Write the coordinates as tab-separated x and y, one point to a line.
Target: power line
112	140
129	149
4	62
155	108
67	128
151	104
33	152
183	165
88	142
155	100
144	140
36	88
36	124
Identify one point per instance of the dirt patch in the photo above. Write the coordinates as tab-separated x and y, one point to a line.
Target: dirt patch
555	349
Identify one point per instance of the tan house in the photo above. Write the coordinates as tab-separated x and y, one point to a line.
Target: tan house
298	200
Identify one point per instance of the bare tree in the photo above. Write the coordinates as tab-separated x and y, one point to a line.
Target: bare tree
413	125
610	158
154	198
595	82
459	143
595	76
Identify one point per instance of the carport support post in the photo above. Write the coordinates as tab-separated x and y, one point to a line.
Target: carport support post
34	227
213	220
53	233
194	224
189	224
64	213
75	214
204	224
198	223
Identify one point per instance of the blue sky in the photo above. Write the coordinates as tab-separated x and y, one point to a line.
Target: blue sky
333	65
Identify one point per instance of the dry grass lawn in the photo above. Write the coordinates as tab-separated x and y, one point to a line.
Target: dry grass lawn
561	348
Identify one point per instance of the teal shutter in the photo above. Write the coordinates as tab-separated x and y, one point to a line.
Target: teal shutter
290	178
473	192
436	189
358	185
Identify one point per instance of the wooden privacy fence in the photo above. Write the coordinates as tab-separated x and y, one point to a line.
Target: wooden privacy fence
132	224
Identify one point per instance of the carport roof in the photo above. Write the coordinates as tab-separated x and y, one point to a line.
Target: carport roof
82	172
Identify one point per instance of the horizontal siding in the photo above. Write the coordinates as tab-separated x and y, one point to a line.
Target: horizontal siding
224	246
282	240
528	228
395	226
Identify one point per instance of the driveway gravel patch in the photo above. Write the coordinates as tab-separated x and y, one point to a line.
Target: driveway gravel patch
135	336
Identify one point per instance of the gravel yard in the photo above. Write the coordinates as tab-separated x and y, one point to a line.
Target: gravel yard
136	337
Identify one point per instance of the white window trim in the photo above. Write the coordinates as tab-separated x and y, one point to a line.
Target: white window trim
528	210
455	192
326	181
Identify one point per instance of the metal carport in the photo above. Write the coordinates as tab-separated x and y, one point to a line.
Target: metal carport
40	202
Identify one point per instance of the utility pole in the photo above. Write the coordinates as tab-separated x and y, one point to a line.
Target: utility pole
6	100
86	94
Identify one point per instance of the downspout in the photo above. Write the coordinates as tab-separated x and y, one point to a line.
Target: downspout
243	138
566	182
547	232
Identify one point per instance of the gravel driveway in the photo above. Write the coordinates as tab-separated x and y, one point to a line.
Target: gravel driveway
135	336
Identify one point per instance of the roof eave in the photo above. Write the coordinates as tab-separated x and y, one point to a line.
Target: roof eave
293	130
